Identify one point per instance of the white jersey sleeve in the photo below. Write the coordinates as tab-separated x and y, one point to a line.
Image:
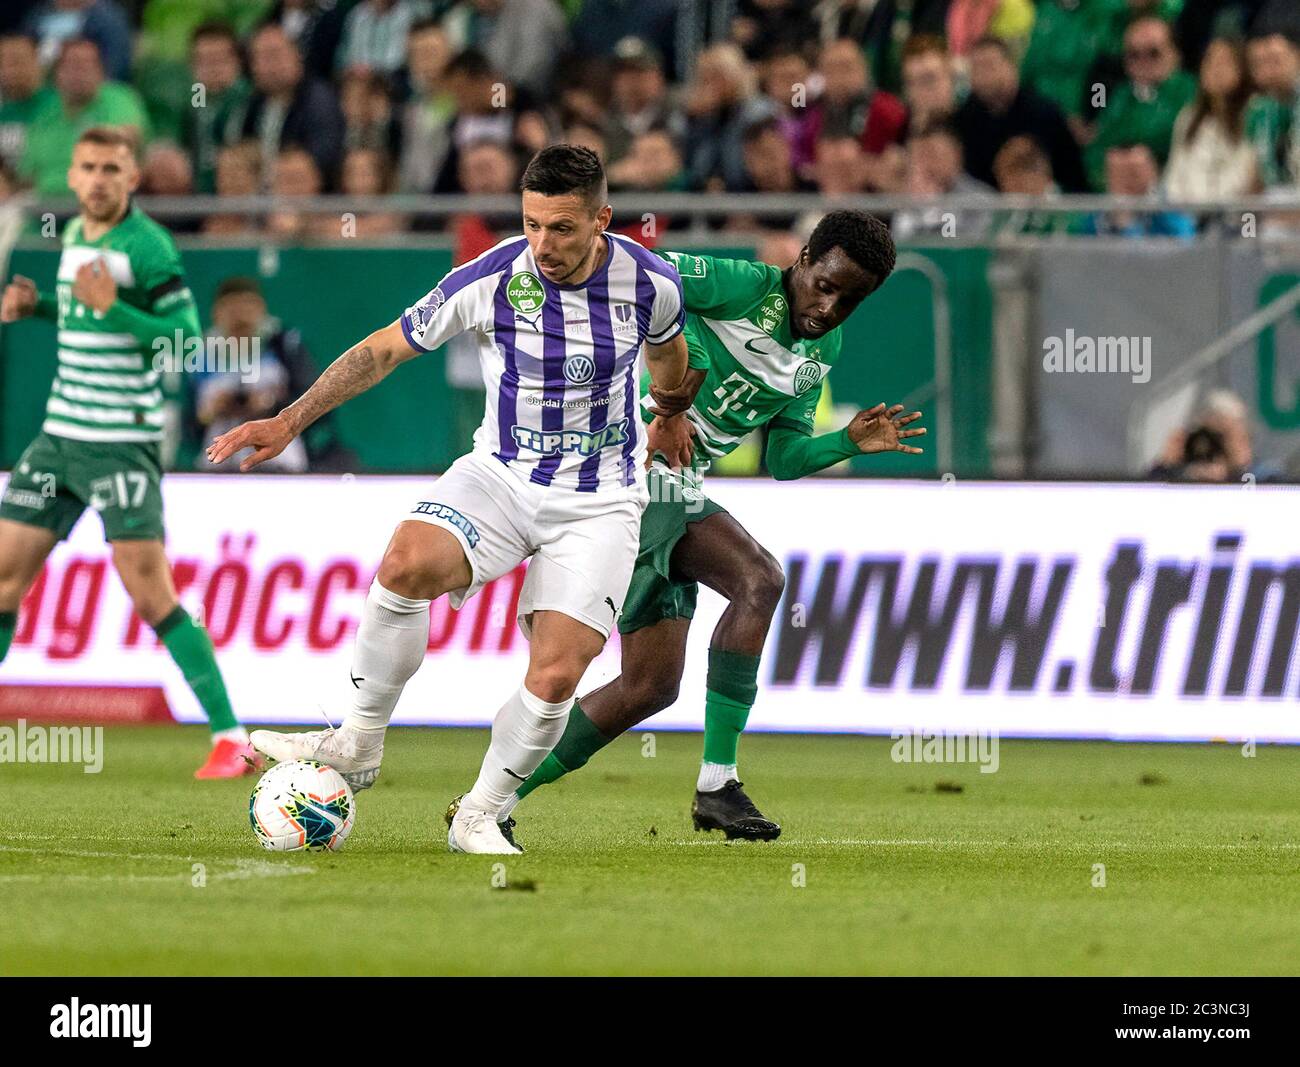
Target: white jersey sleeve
668	318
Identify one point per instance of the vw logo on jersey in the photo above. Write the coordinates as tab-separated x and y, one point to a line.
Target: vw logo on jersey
579	370
808	375
525	292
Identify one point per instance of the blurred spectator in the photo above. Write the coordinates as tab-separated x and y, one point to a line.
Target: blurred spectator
597	28
257	382
968	21
295	175
786	77
426	117
1067	40
586	136
215	64
929	83
886	29
166	171
768	169
935	173
524	37
84	99
1211	155
850	104
485	111
316	29
1273	115
368	119
1131	171
1021	168
721	103
366	172
639	100
56	22
1000	108
238	173
654	164
1215	445
840	166
760	24
484	169
1143	109
290	106
374	37
22	95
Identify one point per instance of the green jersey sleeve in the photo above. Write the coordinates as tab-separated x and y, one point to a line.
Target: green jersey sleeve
721	288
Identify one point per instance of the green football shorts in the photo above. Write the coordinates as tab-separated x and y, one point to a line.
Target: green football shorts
653	595
57	478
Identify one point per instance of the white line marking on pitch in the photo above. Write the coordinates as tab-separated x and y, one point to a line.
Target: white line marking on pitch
243	867
906	843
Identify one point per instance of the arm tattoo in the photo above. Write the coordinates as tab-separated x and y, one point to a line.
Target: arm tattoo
352	373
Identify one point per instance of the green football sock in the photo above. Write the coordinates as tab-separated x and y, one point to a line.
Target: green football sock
8	624
732	685
581	740
191	648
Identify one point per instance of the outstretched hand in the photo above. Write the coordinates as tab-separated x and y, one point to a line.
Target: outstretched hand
268	438
881	430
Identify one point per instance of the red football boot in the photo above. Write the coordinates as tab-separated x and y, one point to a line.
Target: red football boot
230	759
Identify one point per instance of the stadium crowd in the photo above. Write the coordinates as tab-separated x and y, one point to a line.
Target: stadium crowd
1190	99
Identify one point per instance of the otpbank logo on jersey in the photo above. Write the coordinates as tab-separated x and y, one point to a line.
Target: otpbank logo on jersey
525	292
451	515
549	442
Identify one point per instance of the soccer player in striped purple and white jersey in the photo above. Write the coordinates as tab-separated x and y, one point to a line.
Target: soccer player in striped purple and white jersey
556	475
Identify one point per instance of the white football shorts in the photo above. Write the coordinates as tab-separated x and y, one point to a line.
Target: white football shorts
581	547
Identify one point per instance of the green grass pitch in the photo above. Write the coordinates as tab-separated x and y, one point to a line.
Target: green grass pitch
905	873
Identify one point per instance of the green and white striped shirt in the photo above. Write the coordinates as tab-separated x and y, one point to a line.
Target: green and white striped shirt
107	387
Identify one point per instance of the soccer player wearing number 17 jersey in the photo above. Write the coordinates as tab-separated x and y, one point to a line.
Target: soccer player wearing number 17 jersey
761	342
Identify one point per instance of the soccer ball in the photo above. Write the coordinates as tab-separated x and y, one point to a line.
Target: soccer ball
301	805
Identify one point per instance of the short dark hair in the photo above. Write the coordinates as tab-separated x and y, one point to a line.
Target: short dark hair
864	239
470	63
215	28
988	40
127	137
561	169
237	285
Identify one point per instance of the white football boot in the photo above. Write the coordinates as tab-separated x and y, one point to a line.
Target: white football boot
349	751
477	832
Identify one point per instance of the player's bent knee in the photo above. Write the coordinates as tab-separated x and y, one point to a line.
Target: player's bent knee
764	585
423	562
553	683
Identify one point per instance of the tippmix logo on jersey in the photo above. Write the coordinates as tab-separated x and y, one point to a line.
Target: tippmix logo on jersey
525	292
808	375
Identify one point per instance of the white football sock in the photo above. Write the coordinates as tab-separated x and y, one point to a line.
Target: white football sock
713	776
235	733
391	641
511	803
523	734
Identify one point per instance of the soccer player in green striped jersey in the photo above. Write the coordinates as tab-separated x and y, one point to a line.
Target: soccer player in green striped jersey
761	342
119	290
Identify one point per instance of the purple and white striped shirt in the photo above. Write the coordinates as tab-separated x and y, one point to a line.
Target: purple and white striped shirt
559	361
